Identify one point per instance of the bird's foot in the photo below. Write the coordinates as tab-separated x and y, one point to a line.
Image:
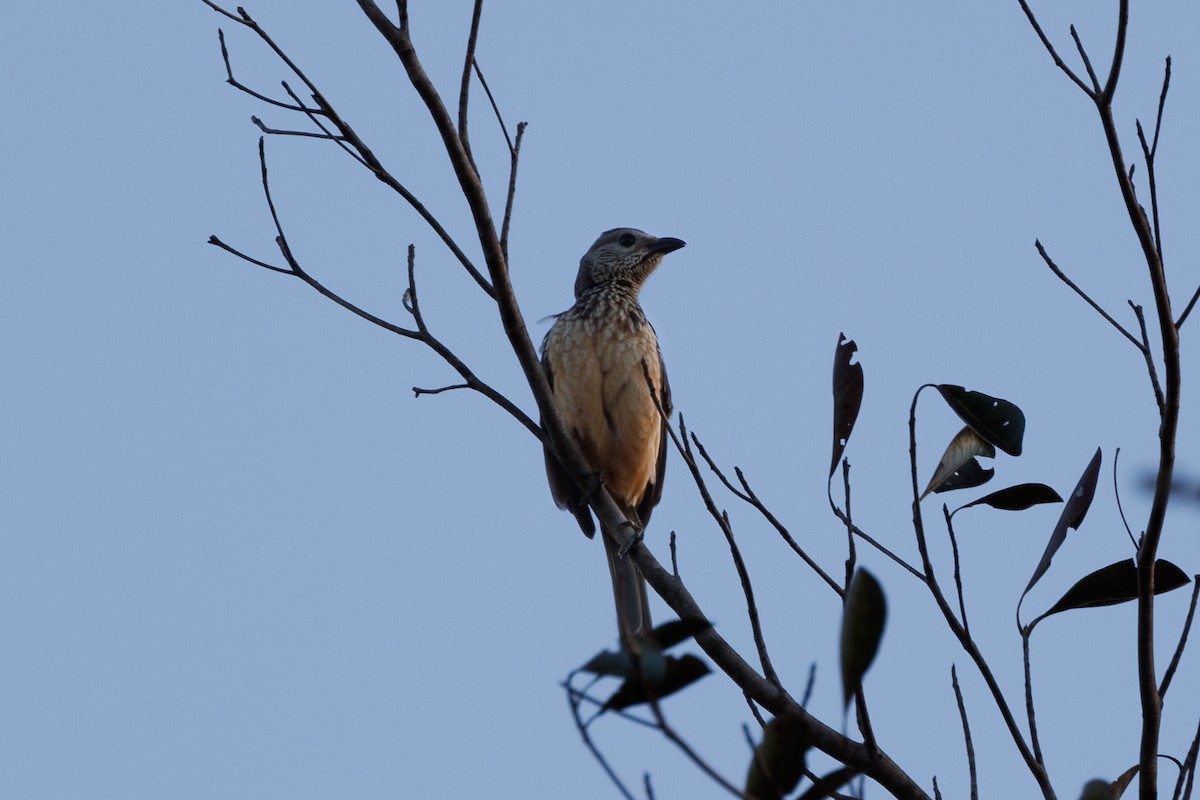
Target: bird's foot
639	533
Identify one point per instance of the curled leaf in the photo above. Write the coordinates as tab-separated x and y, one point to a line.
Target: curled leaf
1116	583
997	421
1018	498
1072	517
863	620
847	396
678	673
958	468
779	760
669	634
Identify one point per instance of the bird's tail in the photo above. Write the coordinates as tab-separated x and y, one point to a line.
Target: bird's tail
629	592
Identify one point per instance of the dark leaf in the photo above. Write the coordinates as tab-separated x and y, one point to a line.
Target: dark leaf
863	621
1072	516
1116	583
778	762
958	468
679	673
847	396
671	633
998	421
1019	497
826	786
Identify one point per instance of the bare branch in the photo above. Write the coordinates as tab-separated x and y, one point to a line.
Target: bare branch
1183	638
465	89
1188	309
574	700
418	391
1148	355
962	712
1053	53
315	114
351	137
1029	707
278	132
495	108
512	190
752	499
1087	62
1062	276
213	240
958	584
1114	72
235	83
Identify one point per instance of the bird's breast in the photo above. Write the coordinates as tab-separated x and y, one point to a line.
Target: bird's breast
601	391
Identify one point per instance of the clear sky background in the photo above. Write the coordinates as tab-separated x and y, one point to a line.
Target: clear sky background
238	559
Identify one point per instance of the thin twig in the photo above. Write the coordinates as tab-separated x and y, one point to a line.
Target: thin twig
1063	277
573	701
749	497
1087	62
311	134
235	83
809	685
1187	772
465	88
512	190
851	553
1183	638
1188	309
418	391
1029	706
1117	494
958	584
1148	355
315	115
962	712
213	240
351	137
722	519
1050	49
495	108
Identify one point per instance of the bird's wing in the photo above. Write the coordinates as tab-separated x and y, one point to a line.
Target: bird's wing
564	491
654	489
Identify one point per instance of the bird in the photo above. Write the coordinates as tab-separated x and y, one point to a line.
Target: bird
593	357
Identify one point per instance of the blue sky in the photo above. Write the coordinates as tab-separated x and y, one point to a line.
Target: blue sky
241	560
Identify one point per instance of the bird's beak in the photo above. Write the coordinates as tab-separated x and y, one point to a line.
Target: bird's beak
665	245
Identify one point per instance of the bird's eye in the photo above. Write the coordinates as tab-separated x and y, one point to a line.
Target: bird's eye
626	240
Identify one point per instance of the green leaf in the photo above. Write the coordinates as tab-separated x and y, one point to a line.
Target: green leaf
957	468
1116	583
847	396
778	762
863	620
678	674
1019	497
998	421
1072	517
826	786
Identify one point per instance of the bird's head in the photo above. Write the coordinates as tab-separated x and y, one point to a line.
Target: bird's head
624	255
